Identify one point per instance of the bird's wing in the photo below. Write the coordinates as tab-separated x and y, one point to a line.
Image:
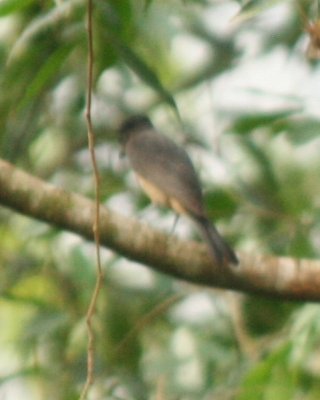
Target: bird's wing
157	159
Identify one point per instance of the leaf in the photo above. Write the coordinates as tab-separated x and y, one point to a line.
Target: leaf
220	204
247	123
147	4
264	163
115	16
141	68
254	7
40	24
116	32
271	377
300	130
47	71
8	7
275	315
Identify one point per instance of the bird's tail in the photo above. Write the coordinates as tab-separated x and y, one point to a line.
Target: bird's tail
222	252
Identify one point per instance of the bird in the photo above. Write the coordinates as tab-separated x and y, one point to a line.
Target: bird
166	174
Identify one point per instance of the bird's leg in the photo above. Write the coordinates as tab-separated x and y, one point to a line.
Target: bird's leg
175	222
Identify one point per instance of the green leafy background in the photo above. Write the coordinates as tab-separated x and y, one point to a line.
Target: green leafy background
256	147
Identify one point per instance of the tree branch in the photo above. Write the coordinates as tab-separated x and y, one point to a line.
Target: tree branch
277	277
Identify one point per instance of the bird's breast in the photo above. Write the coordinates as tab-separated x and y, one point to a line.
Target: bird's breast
159	197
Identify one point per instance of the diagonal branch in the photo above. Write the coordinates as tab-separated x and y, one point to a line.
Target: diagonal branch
277	277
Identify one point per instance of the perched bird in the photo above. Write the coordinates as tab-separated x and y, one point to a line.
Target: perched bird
166	174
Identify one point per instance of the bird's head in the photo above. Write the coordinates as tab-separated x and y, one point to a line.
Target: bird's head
133	125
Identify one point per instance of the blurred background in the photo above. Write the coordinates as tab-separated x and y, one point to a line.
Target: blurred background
247	87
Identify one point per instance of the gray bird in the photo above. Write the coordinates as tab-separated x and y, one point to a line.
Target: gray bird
166	174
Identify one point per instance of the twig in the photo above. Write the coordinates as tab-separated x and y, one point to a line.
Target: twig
96	225
145	320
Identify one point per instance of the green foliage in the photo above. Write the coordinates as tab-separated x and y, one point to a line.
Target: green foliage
259	162
271	379
8	7
252	8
